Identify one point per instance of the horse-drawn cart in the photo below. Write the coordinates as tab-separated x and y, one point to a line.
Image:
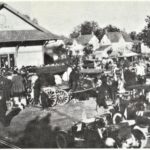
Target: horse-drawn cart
62	94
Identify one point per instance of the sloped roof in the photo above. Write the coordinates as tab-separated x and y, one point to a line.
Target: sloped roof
114	37
84	39
126	37
21	36
65	39
103	47
39	33
22	17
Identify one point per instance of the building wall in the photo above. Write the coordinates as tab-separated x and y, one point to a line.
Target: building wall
95	42
120	45
105	41
76	47
25	56
30	55
7	50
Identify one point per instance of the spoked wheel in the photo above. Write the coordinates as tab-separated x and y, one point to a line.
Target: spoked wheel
30	101
50	96
117	118
61	140
62	97
141	138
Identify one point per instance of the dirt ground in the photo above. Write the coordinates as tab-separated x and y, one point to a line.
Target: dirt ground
61	116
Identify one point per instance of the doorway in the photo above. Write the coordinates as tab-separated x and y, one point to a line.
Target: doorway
7	60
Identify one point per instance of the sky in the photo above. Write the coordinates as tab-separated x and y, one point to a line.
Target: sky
60	17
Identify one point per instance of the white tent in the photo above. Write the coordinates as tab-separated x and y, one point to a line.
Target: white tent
129	53
124	53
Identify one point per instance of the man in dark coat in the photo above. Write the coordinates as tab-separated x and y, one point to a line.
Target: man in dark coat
5	86
112	89
74	78
130	77
44	80
101	95
37	89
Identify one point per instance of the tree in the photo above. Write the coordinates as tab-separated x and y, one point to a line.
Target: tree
35	21
88	27
145	34
111	28
76	32
99	33
133	35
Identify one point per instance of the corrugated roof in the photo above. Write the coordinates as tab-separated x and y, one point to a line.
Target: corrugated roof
24	35
84	39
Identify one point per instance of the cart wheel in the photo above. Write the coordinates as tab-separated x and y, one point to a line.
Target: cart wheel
62	97
52	98
61	139
140	137
117	118
48	96
31	101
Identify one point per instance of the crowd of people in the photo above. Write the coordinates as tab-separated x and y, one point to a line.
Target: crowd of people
18	86
11	87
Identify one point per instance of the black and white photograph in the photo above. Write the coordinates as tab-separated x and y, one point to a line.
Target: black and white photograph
74	74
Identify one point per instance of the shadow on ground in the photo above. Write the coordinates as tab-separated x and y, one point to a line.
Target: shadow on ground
38	134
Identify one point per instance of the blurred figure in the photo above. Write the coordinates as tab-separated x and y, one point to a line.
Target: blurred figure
58	79
66	75
141	72
44	80
5	85
101	94
121	83
18	88
74	78
129	76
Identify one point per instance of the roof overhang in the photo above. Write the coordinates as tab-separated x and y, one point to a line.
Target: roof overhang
23	43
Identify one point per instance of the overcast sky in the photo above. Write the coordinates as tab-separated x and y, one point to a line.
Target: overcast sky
61	17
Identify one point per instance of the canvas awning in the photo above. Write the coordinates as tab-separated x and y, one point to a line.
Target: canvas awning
125	53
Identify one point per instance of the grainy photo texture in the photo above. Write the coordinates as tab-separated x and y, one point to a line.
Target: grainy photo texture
74	74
